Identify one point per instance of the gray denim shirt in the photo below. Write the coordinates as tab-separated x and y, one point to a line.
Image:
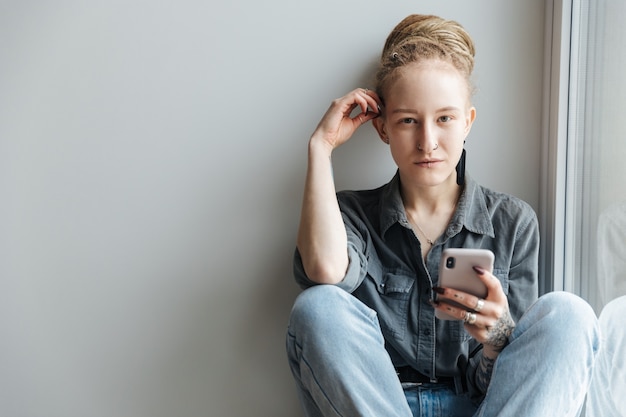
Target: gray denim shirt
388	273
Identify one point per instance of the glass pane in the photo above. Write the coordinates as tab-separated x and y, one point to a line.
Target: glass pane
595	241
596	232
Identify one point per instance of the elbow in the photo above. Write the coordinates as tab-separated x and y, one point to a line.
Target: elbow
325	273
323	265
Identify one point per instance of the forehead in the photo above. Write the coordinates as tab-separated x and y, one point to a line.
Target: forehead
429	82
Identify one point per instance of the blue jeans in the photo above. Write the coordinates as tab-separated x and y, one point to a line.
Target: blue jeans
437	400
607	394
337	355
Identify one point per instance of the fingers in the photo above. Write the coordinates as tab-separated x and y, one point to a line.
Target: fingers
474	310
470	318
486	320
368	102
339	122
494	287
477	320
495	294
458	304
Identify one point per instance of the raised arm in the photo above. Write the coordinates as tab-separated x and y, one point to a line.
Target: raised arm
322	240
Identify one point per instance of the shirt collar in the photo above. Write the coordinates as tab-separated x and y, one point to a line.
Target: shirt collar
471	211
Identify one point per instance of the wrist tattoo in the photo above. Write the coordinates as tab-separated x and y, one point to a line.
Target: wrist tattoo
497	339
483	374
498	335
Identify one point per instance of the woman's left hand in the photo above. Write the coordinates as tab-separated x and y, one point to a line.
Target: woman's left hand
487	320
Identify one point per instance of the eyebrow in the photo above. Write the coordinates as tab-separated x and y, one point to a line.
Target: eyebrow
443	109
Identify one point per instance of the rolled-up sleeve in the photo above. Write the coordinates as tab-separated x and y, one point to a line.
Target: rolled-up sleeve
352	279
357	247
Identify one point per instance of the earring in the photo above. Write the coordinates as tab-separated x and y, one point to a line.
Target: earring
460	169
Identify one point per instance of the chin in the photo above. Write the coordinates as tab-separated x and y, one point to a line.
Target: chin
429	179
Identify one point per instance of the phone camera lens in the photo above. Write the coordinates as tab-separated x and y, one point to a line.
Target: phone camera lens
450	262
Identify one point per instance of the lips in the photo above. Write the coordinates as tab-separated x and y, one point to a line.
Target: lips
428	163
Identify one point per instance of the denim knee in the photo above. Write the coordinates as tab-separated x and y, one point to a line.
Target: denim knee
569	305
569	317
325	309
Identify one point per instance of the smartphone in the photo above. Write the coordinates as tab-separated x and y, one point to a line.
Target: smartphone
456	271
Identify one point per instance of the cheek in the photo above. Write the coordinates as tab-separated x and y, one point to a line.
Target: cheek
399	151
456	148
399	145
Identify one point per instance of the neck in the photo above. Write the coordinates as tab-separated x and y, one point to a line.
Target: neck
429	210
429	200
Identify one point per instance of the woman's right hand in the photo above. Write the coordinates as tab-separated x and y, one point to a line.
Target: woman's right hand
337	127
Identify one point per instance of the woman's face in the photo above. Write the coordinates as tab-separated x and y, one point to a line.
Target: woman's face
426	119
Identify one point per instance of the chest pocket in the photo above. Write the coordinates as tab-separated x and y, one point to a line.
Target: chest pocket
451	331
503	277
388	292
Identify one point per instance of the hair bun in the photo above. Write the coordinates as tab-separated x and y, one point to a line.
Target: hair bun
418	37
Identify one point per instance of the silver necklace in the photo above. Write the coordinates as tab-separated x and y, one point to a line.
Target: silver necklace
412	221
430	241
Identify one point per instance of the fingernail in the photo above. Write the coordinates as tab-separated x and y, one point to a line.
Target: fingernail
438	290
433	302
478	270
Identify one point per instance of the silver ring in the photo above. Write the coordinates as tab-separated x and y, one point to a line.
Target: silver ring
479	305
470	318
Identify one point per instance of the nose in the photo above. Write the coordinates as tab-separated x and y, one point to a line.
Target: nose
426	140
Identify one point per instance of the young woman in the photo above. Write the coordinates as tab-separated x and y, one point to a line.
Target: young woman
363	339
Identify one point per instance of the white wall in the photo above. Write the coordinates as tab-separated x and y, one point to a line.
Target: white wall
152	155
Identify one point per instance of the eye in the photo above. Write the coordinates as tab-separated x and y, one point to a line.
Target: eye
407	120
445	119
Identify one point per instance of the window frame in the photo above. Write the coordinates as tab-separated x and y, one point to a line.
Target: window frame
554	147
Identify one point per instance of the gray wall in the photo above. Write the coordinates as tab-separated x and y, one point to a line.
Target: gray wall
152	156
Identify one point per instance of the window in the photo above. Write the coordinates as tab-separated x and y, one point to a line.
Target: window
585	151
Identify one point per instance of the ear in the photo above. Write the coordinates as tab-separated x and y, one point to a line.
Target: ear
381	128
469	120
